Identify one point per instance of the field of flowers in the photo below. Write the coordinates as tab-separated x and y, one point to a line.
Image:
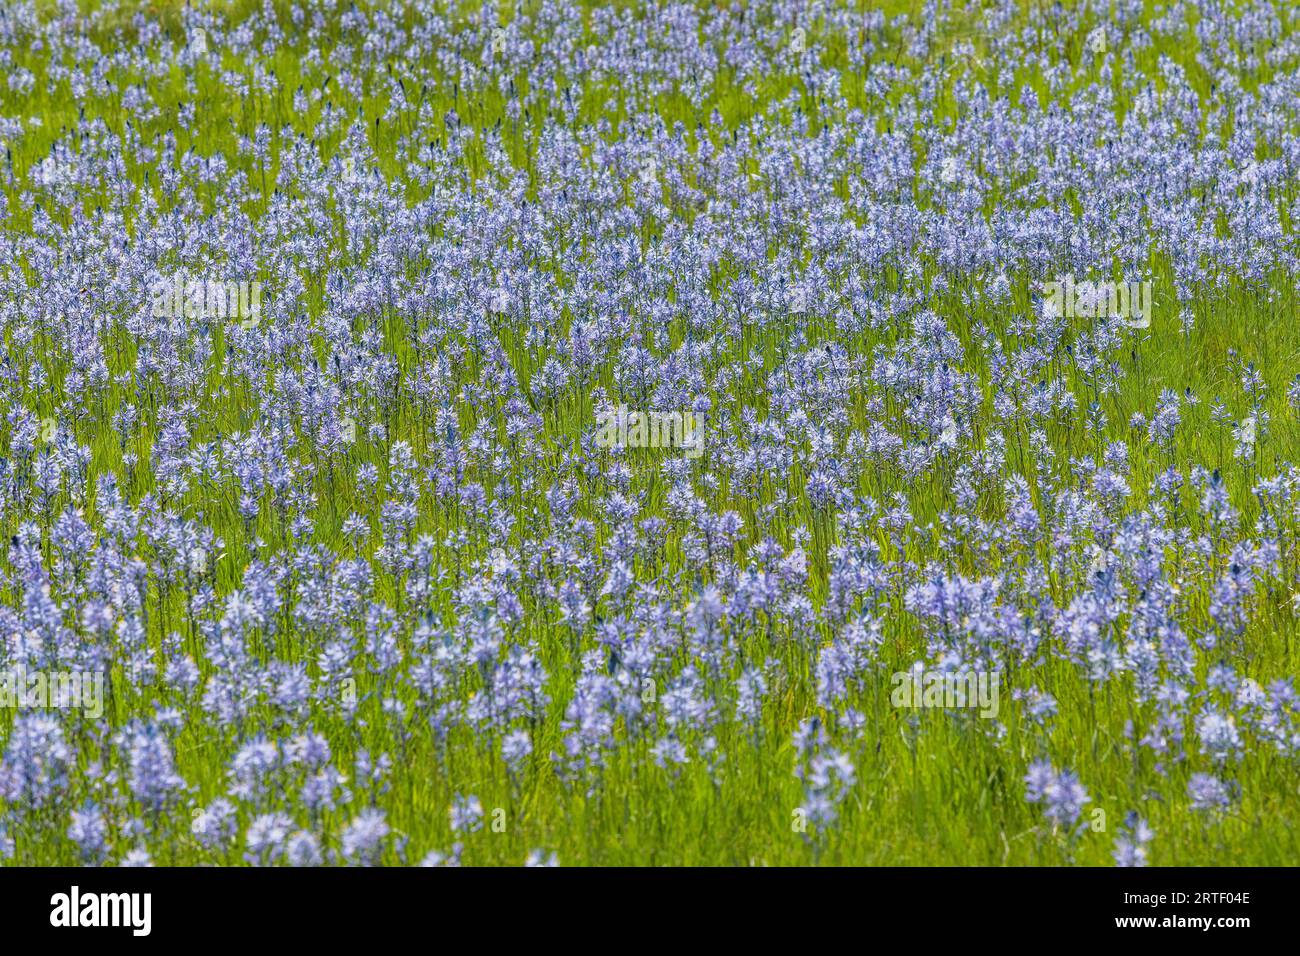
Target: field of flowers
649	433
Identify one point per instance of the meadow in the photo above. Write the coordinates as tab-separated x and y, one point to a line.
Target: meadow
952	347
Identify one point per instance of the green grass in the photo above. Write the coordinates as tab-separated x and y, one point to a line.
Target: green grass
932	787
